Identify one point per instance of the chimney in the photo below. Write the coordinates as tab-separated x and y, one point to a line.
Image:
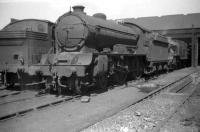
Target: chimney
13	20
78	9
100	16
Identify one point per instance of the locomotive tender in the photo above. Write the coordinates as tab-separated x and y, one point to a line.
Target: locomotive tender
22	43
92	50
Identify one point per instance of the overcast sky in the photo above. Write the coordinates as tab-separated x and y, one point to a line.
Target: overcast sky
114	9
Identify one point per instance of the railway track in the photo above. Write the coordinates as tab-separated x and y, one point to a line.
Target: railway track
17	103
174	87
162	123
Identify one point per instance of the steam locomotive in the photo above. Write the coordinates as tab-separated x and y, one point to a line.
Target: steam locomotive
90	50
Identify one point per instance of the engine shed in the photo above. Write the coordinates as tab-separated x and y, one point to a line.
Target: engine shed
182	27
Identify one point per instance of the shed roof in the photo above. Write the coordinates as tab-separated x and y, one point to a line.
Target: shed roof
179	21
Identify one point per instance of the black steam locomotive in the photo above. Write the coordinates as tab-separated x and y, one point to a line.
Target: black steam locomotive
91	50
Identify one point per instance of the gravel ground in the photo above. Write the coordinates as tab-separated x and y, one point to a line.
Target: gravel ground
145	116
187	118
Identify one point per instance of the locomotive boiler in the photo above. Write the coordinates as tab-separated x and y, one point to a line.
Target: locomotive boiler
76	31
